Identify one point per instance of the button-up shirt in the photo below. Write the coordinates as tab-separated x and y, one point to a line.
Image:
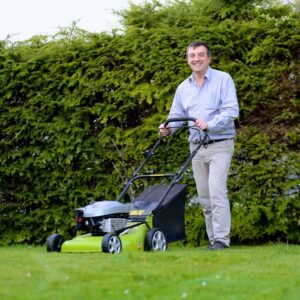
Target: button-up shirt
215	102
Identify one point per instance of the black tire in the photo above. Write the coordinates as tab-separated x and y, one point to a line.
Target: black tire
155	240
54	243
111	243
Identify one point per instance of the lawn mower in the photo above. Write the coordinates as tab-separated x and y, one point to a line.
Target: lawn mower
152	220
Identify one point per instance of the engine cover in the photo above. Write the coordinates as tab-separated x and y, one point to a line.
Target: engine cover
104	208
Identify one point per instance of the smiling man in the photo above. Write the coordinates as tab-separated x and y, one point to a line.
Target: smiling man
209	95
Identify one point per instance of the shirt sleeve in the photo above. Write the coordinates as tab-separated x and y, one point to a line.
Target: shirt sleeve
229	109
176	111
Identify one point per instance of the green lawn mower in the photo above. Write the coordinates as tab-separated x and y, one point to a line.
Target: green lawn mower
151	221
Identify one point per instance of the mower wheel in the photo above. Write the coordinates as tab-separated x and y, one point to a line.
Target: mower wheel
155	240
111	243
54	242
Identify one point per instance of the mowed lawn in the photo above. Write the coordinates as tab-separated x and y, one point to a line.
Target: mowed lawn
241	272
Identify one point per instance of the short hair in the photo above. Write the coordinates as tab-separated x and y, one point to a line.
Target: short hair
198	44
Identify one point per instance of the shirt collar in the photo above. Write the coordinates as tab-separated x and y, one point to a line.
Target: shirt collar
207	75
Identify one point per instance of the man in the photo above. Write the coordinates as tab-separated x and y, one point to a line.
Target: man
209	95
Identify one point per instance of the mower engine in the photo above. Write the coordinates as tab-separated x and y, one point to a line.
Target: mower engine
102	217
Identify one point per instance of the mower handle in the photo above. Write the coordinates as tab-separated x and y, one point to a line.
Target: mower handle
176	176
182	119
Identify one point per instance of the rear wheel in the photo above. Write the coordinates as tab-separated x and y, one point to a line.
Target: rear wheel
111	243
155	240
54	243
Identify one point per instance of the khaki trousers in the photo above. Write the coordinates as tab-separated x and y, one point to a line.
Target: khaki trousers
211	167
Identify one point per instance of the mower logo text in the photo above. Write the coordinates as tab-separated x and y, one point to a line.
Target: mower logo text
136	212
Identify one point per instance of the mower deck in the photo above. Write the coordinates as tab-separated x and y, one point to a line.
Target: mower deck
133	239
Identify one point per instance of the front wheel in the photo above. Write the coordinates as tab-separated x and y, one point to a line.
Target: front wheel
54	242
155	240
111	243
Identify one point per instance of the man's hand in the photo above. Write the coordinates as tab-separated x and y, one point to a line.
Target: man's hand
201	124
164	130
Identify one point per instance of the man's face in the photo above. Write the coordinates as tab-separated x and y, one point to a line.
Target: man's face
198	59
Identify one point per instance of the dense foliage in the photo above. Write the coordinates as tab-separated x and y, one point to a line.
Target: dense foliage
77	110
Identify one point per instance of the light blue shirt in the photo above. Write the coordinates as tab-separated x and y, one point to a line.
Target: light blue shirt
215	102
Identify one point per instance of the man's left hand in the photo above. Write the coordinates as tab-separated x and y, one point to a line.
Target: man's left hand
201	124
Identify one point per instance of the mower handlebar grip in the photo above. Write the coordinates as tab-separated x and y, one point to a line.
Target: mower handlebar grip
183	119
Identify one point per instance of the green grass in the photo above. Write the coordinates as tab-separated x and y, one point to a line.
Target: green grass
260	272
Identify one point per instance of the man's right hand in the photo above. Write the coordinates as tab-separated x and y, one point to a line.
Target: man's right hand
164	130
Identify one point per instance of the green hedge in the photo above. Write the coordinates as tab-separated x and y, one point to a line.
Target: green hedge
77	111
